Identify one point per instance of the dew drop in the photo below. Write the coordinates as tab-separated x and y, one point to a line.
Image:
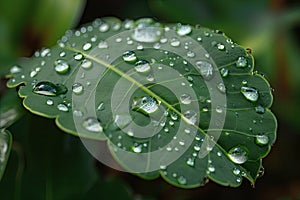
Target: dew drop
92	124
77	113
78	56
184	30
147	30
219	153
163	167
221	87
77	88
250	93
137	148
86	64
205	69
190	54
122	120
33	73
15	69
104	27
211	168
181	180
221	46
185	99
146	104
241	62
102	45
224	72
190	116
238	155
61	66
190	162
259	109
45	52
62	107
175	42
219	109
174	116
49	89
87	46
62	54
262	140
49	102
129	56
142	66
197	147
236	171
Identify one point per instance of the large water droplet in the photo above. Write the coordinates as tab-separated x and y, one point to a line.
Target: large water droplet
129	56
250	93
146	104
77	88
205	69
185	99
241	62
262	140
190	116
62	107
61	66
147	30
15	69
238	155
142	66
184	30
49	89
78	56
92	124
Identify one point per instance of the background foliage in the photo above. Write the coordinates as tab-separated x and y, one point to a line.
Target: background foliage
270	28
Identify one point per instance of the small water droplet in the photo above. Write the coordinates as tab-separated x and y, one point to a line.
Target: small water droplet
137	148
49	102
197	147
190	116
181	180
185	99
92	124
86	64
221	87
122	120
62	54
190	54
142	66
156	46
175	42
146	104
163	167
184	30
219	153
87	46
174	116
103	27
239	179
211	168
78	56
77	88
62	107
102	45
261	172
190	162
250	93
219	109
49	89
241	62
238	155
129	56
77	113
100	106
61	66
236	171
45	52
221	46
33	73
262	140
224	72
15	69
205	68
259	109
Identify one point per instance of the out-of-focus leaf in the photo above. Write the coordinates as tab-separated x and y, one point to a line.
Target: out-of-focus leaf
5	147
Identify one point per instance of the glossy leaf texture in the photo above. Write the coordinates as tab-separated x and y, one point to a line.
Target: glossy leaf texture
5	147
173	100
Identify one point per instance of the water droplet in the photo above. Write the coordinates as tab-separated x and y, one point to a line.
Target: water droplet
163	167
103	27
61	66
244	82
181	142
185	99
190	116
190	162
239	179
45	52
261	172
15	69
219	153
77	113
86	64
219	109
33	73
129	56
221	46
87	46
236	171
146	104
78	56
147	30
100	106
250	93
224	72
49	102
175	42
77	88
241	62
140	47
262	140
92	124
206	69
211	168
184	30
238	155
49	89
102	45
221	87
122	120
181	180
259	109
142	66
62	107
190	54
62	54
197	147
137	148
174	116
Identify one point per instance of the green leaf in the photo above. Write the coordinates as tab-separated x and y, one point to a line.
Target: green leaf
5	147
173	100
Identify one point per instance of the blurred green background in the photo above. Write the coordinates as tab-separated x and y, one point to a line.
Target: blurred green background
271	29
